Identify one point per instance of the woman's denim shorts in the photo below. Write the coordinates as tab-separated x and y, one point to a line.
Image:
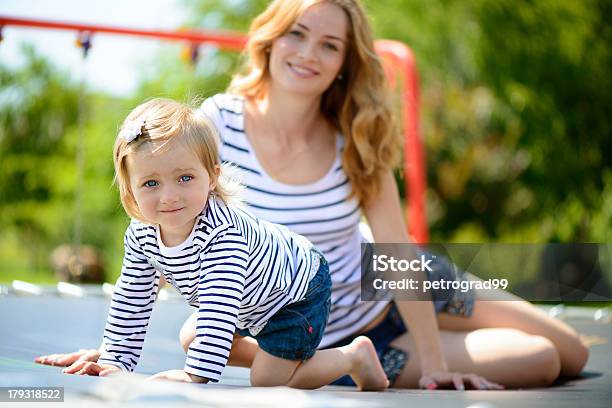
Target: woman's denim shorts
382	335
295	331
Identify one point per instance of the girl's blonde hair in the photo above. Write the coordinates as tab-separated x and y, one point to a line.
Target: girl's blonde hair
161	123
358	104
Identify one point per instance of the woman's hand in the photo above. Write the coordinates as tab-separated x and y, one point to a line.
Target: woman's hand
443	379
177	375
66	359
91	368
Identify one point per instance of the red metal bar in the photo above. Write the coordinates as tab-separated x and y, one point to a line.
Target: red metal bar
414	157
398	55
228	40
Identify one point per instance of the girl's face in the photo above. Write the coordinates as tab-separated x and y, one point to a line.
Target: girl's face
170	188
308	57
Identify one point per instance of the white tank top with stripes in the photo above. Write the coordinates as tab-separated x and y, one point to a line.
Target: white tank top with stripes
321	211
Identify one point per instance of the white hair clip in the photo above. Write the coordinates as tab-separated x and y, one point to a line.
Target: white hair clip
132	130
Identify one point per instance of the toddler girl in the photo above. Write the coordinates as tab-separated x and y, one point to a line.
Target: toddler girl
245	276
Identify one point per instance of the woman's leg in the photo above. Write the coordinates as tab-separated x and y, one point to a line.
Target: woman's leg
523	316
506	356
501	309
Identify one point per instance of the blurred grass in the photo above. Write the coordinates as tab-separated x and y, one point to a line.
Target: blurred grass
44	277
14	263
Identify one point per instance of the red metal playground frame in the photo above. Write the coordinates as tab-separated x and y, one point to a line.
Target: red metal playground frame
399	62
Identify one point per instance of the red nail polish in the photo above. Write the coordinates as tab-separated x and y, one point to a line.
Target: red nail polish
432	386
310	329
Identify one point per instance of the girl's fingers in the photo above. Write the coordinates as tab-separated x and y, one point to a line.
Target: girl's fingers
74	368
92	355
88	355
79	370
84	371
48	359
82	367
52	359
107	371
89	368
66	359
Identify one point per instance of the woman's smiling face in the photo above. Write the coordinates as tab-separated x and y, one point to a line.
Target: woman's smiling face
309	56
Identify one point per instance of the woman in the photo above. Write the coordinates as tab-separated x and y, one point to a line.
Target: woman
309	125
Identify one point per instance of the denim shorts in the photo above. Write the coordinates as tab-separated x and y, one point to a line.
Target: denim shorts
393	360
295	331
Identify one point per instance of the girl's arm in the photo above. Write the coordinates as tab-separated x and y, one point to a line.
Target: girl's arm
178	375
131	306
220	293
385	217
82	355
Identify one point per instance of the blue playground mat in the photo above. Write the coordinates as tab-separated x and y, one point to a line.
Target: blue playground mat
44	320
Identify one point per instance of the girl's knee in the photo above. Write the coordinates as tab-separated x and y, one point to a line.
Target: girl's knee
270	371
185	339
187	333
263	378
258	380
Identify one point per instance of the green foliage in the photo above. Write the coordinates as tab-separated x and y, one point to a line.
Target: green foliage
516	114
552	61
233	15
37	107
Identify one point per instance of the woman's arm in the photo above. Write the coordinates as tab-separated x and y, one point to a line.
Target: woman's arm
385	217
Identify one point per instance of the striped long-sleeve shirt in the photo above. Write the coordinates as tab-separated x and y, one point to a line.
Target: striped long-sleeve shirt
237	270
322	211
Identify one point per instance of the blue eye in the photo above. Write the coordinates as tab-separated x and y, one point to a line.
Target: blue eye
150	183
185	178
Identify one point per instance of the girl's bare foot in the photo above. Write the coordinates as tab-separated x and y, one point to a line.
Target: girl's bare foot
367	372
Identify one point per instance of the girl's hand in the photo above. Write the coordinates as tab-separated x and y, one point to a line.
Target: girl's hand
177	375
66	359
444	379
91	368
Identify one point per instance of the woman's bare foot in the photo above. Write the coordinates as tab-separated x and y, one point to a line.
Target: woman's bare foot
66	359
367	372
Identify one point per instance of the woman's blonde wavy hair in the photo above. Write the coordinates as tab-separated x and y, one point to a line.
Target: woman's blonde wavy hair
165	122
358	105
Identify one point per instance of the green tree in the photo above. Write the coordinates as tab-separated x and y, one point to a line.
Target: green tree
516	114
38	105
